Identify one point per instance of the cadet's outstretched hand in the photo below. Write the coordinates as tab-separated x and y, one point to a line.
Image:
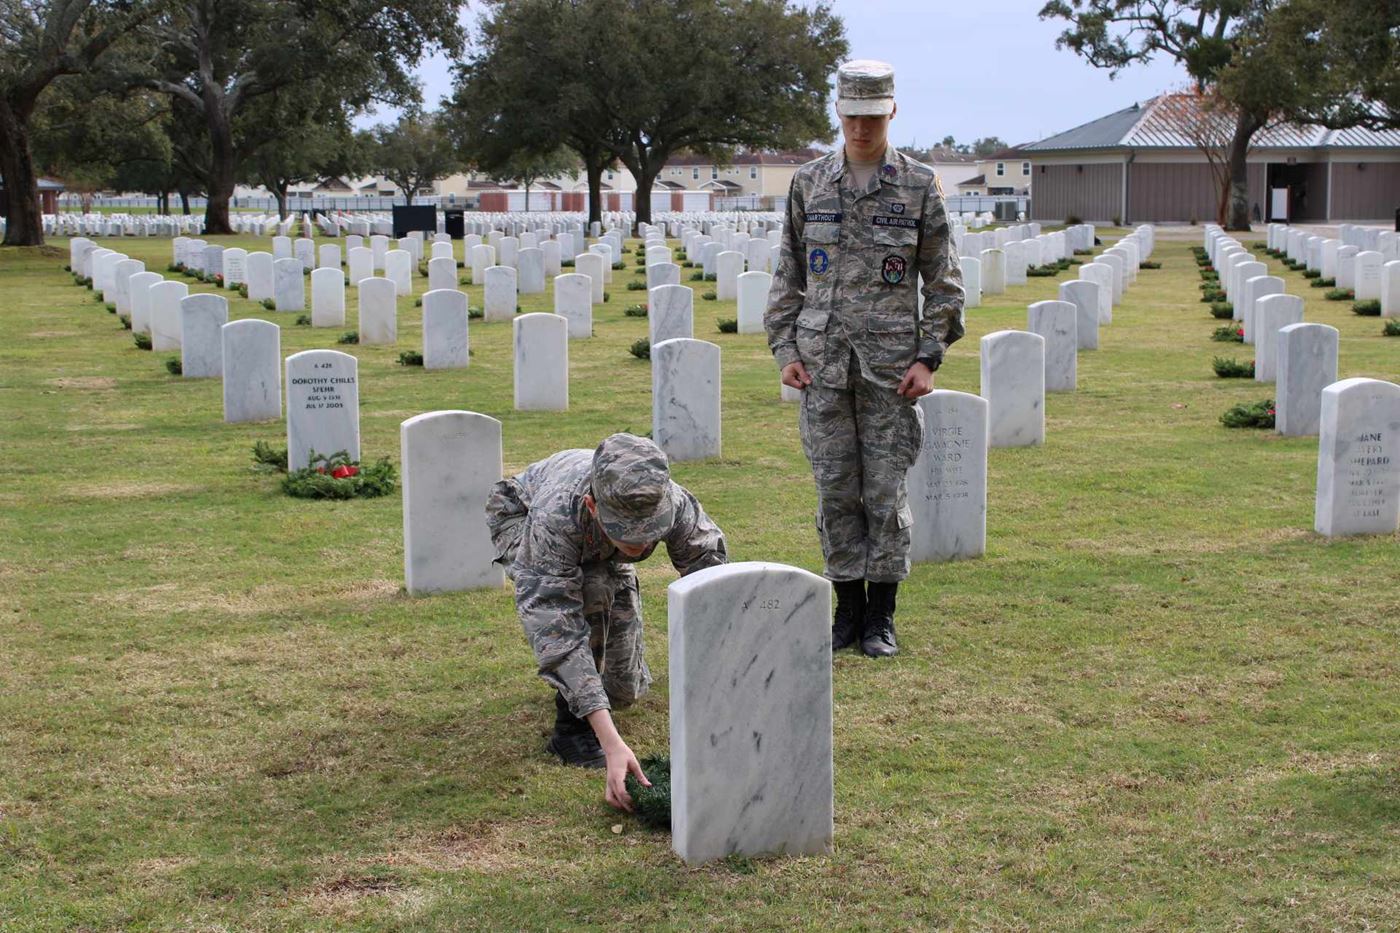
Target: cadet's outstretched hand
621	762
795	376
917	382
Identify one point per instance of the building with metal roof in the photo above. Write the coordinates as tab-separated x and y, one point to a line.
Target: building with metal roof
1148	164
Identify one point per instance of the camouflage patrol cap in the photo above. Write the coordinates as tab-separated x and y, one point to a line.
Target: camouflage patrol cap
865	88
632	489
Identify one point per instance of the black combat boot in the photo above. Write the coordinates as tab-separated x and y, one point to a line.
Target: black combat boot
573	741
849	621
878	641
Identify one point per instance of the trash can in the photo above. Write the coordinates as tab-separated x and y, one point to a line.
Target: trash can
455	222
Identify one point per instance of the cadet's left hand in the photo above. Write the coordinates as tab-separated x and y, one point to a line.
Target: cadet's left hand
917	382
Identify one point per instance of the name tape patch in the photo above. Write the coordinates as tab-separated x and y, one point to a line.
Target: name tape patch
908	223
822	217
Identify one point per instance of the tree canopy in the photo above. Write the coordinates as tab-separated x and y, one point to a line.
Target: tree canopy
412	153
218	57
40	42
635	81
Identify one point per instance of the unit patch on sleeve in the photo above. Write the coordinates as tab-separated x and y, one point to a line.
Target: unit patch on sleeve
909	223
822	217
818	261
893	268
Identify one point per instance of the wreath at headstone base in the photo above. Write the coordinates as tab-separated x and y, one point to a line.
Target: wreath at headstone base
652	805
329	477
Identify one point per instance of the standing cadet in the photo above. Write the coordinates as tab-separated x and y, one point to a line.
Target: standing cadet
843	321
568	530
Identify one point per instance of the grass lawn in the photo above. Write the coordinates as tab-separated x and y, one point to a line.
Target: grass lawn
1159	701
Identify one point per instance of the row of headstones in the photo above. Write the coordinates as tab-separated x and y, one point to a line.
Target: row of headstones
1357	420
1364	260
118	225
948	482
1301	358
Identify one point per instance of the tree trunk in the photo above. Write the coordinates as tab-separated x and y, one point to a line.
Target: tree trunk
185	202
23	215
1245	128
223	166
594	169
280	192
641	203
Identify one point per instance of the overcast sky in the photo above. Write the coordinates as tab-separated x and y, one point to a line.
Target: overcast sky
965	68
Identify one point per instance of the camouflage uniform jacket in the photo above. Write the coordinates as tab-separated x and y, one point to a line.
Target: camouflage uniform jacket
560	536
849	269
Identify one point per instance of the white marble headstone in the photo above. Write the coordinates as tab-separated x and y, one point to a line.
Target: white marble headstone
379	311
398	268
165	314
202	318
972	282
751	712
1271	313
753	301
360	263
442	271
1307	364
1013	383
289	287
573	300
685	392
541	362
1358	461
500	293
993	272
446	343
530	267
451	459
1057	322
1101	274
670	313
1085	296
138	289
1390	289
592	265
252	352
729	264
323	406
948	482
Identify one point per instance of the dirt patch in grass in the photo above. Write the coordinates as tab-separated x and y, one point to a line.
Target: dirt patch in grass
81	382
271	598
40	334
488	848
347	897
134	489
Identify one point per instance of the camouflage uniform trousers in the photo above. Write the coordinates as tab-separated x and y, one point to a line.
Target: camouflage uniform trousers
861	442
612	607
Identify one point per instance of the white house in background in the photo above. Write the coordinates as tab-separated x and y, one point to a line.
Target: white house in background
1004	172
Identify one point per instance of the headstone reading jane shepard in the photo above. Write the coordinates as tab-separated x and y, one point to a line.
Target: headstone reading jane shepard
1358	459
323	406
